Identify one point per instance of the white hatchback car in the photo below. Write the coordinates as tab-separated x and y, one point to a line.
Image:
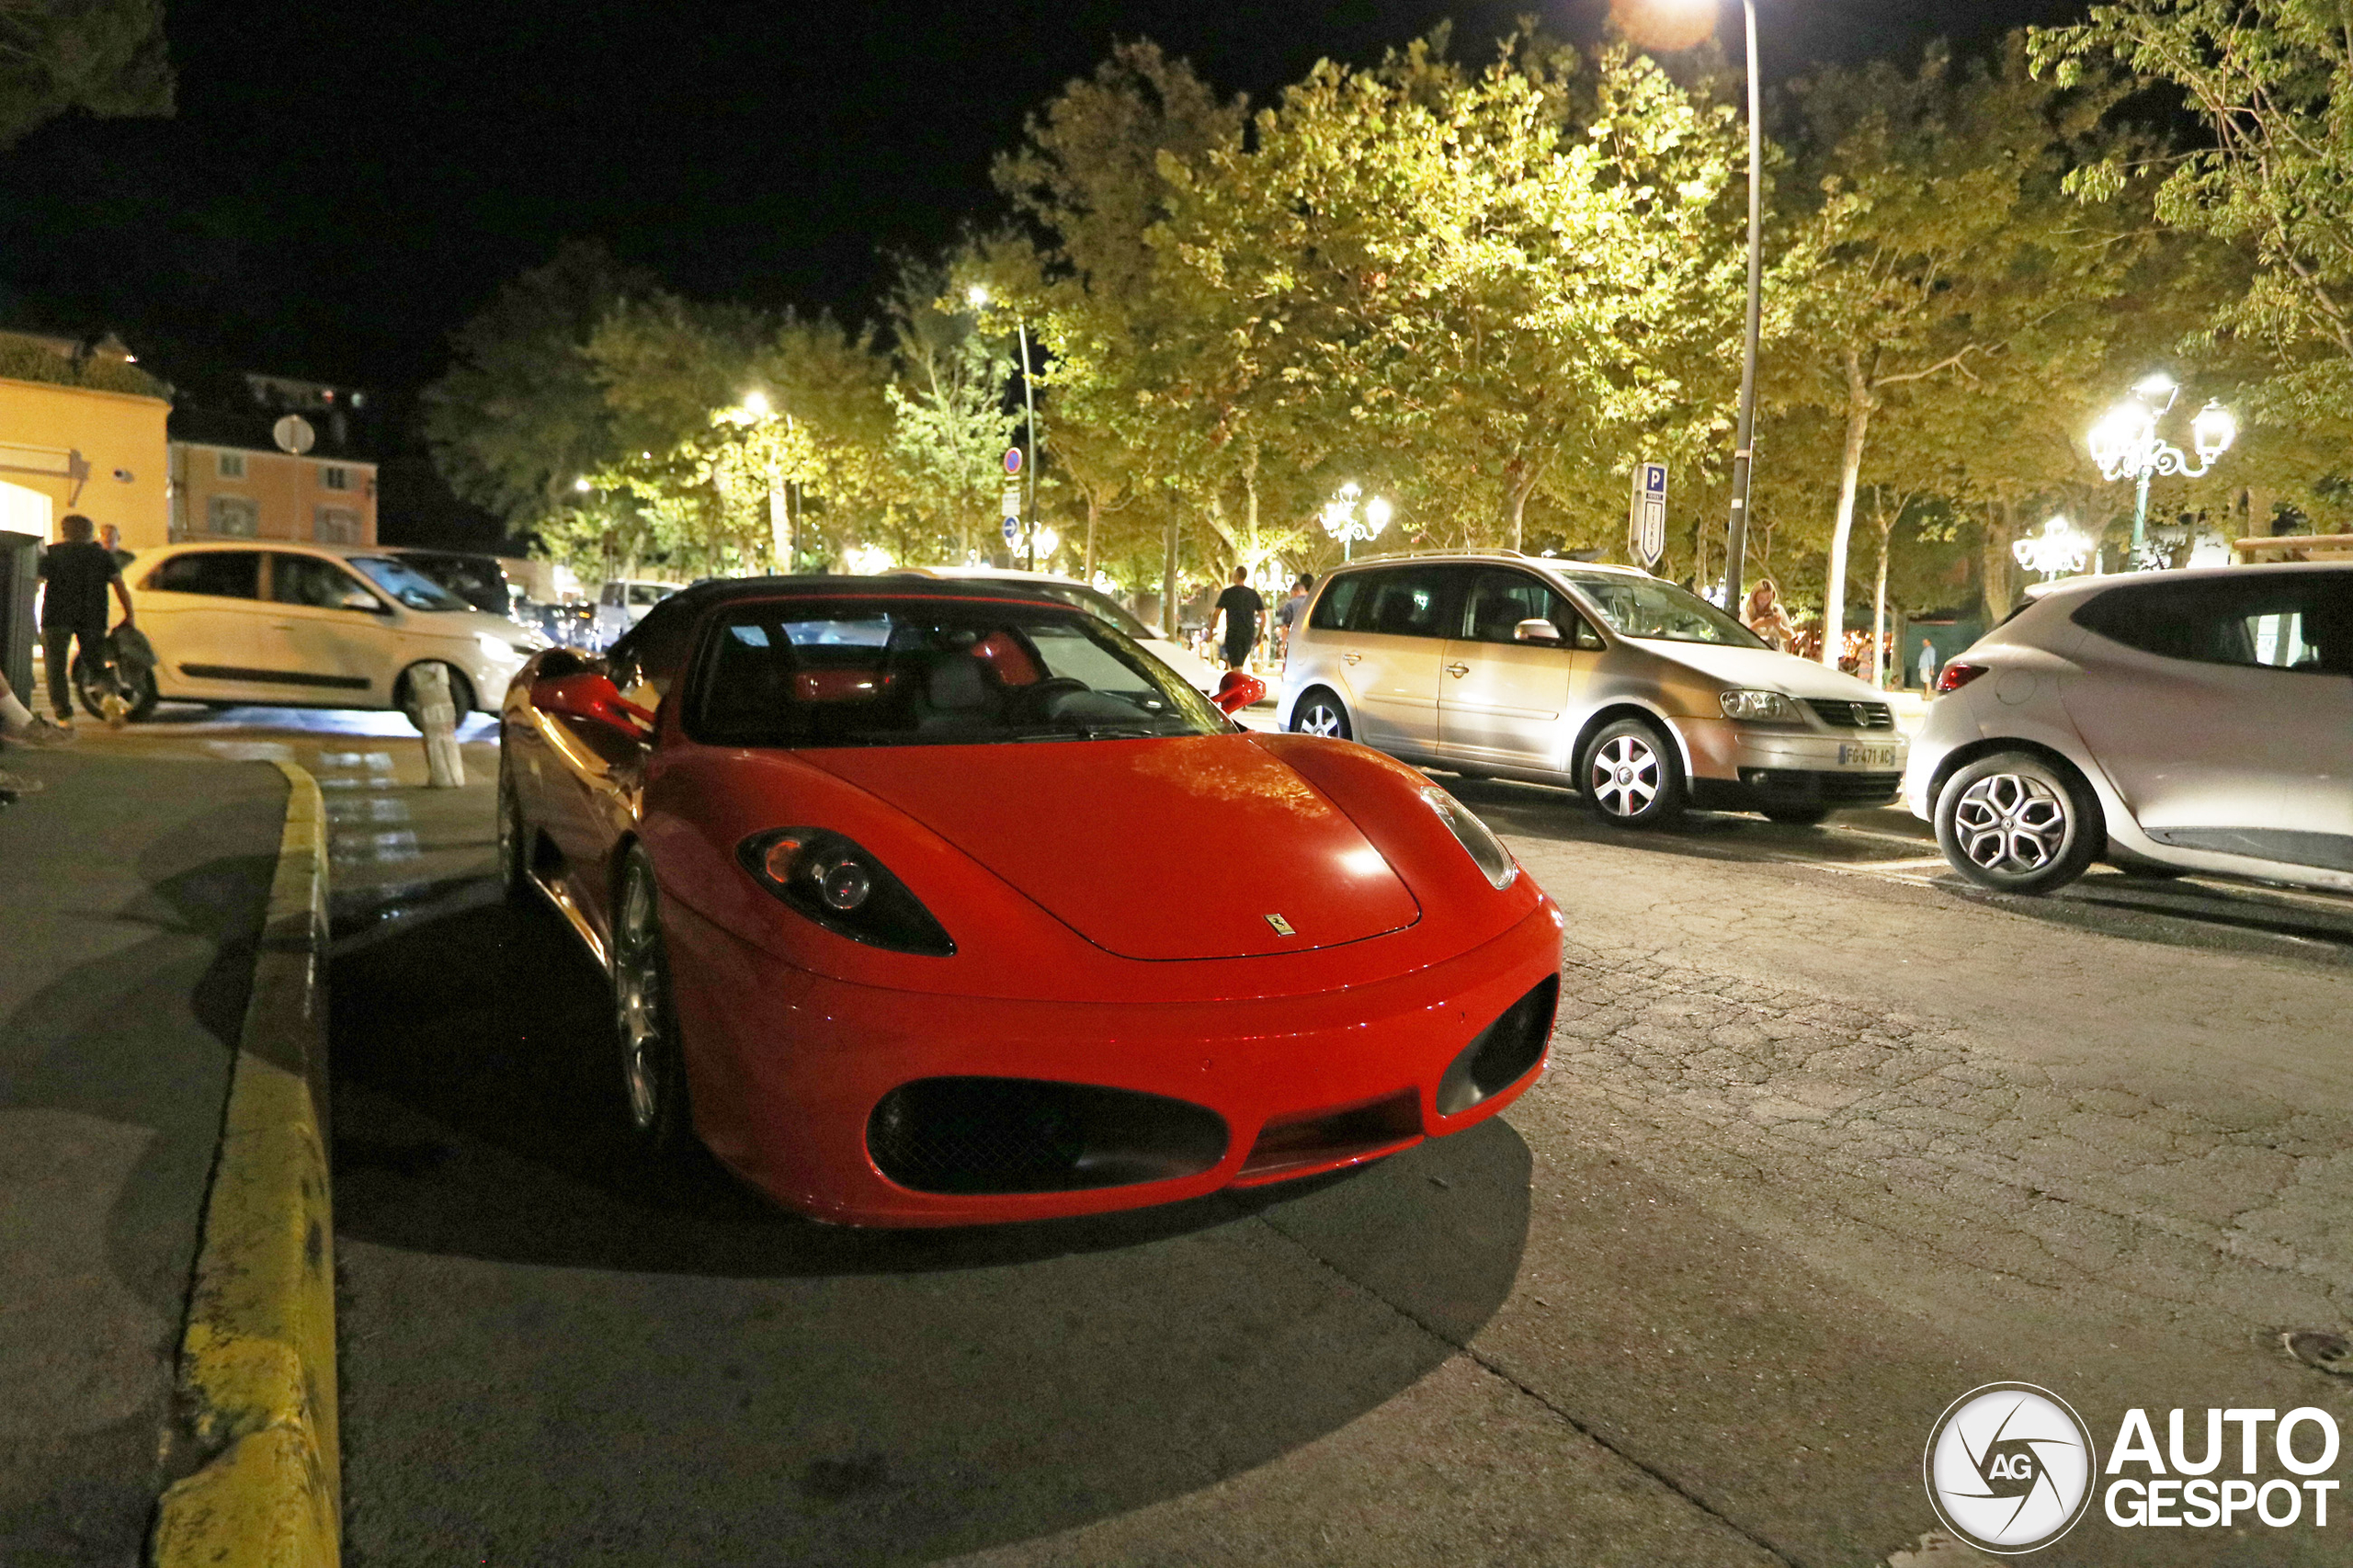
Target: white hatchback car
308	625
1640	694
2167	722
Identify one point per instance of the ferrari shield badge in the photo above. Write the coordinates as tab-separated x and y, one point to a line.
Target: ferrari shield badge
1281	925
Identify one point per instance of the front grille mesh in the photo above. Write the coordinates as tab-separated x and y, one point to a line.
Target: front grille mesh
1852	715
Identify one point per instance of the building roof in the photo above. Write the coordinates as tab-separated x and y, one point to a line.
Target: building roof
242	411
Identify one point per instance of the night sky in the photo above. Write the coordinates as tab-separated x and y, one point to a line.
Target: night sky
345	182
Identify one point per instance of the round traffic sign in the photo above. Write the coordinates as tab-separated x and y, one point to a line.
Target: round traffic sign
1013	460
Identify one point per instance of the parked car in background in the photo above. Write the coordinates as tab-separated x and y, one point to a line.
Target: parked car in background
2169	721
1199	673
622	604
482	581
1643	695
311	625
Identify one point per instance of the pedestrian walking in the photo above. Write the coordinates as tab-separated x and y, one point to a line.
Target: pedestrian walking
1929	663
1243	611
1287	613
78	572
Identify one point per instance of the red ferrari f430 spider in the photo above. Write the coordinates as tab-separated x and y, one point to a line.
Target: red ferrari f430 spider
929	904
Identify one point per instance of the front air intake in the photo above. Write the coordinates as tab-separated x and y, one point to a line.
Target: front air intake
1504	1051
983	1135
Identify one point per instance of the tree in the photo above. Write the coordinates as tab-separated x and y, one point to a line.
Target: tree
1939	240
2270	81
950	426
520	415
103	57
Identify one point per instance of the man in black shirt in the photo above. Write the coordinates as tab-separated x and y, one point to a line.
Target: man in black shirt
1243	610
74	609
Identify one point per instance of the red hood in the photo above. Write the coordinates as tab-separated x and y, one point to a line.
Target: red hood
1174	849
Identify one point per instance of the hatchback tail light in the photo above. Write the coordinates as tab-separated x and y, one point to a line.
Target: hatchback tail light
1958	675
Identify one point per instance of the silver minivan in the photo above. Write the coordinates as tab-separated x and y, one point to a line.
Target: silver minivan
1643	695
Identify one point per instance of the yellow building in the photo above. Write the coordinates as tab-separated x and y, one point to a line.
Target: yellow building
270	456
80	431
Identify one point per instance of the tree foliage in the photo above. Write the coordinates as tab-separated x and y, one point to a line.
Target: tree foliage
103	57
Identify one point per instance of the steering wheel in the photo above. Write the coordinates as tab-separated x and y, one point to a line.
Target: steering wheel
1037	701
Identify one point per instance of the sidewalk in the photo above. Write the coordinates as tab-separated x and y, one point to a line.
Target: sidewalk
131	895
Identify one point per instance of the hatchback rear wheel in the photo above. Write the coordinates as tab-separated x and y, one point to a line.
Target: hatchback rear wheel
2017	823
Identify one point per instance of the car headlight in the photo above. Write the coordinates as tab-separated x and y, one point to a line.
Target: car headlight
1476	837
841	887
499	649
1769	707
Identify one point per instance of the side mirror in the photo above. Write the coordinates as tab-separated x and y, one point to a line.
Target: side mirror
1536	629
360	600
594	699
1238	691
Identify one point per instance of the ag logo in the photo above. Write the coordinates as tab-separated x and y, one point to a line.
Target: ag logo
2009	1468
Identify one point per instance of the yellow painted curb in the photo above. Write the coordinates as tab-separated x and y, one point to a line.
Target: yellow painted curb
256	1373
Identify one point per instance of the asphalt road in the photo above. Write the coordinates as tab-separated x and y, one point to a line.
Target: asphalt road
1828	1141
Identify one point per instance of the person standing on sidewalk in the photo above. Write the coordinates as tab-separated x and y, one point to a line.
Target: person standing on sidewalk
1243	611
1287	613
1929	664
77	573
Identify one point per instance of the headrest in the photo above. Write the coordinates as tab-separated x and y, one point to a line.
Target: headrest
957	686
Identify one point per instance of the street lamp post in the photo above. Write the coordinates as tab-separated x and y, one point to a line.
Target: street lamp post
2055	552
2125	444
1744	448
756	410
980	297
1346	522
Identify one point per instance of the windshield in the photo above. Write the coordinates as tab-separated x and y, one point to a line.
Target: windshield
931	672
641	594
1644	607
1096	603
406	583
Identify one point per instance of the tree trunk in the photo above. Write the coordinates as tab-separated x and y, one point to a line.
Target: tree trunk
1858	423
1094	511
1168	578
1879	602
1996	562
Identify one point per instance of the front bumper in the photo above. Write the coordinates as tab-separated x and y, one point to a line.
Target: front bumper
1745	767
788	1070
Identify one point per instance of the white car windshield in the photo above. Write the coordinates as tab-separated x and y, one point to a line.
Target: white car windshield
1096	603
1644	607
406	583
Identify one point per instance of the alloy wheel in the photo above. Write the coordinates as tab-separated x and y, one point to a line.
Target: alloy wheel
2011	823
1626	775
1322	718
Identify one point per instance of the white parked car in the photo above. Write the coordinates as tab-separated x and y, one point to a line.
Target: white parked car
308	625
1198	672
2170	721
621	605
1640	694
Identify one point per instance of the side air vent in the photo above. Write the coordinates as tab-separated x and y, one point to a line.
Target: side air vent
969	1135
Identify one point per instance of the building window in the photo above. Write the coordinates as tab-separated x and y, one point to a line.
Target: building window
335	478
232	464
335	525
235	517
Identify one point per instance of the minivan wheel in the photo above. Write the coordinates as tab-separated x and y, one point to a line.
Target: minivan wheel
1320	713
2017	823
1630	775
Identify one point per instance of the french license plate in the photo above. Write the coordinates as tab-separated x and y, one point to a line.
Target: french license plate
1853	756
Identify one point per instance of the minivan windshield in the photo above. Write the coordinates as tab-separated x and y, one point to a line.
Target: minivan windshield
895	671
406	583
1644	607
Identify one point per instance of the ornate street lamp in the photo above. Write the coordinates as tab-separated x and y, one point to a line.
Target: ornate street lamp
2125	444
1345	520
2057	550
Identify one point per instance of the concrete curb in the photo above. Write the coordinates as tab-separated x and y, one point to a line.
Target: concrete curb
256	1370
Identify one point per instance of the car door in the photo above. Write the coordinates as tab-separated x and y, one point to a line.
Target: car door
331	637
1500	699
200	609
1396	640
2221	708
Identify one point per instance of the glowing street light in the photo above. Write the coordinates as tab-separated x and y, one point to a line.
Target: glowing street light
1346	521
755	403
2126	445
756	409
868	560
2057	550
